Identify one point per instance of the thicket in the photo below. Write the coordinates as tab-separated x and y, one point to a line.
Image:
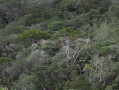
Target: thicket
59	45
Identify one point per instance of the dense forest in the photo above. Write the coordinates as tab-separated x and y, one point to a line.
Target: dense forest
59	45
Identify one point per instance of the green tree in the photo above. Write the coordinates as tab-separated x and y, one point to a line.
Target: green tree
78	83
9	9
5	63
70	32
32	36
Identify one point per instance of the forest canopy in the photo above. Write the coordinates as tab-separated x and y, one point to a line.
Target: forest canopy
59	44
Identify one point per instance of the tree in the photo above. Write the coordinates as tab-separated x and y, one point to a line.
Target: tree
49	78
5	63
32	36
78	83
69	33
10	9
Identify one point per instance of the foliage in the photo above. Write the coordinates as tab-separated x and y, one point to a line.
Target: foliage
68	32
79	83
55	26
59	44
32	35
5	59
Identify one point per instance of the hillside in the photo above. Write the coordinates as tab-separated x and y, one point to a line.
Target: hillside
59	44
